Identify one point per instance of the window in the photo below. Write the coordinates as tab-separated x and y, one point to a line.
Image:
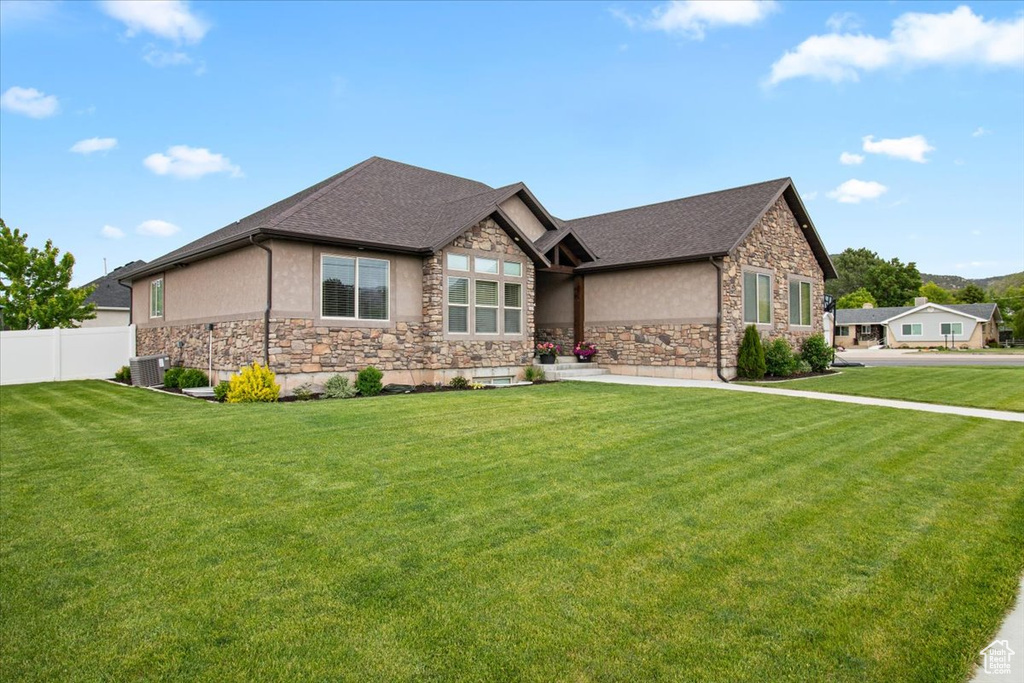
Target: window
458	304
156	298
513	308
799	303
458	262
911	329
866	329
513	268
842	330
354	288
486	308
951	329
486	265
757	298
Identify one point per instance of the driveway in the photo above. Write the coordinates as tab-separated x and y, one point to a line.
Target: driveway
912	357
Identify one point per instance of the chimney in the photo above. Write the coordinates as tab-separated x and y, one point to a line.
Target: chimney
920	300
868	304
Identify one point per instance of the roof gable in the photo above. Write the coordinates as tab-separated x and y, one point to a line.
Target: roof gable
109	292
879	316
927	307
691	228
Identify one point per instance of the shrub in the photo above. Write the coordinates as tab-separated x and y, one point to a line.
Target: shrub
254	384
778	358
817	353
303	392
750	364
368	381
802	366
339	387
192	378
124	374
459	382
532	373
171	377
220	392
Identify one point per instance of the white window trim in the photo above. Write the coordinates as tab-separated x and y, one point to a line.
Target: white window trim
357	259
159	314
951	332
757	308
800	302
497	309
920	327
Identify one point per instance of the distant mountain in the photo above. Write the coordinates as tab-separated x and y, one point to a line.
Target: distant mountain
953	282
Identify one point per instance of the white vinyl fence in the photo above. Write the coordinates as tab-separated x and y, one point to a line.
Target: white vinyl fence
55	355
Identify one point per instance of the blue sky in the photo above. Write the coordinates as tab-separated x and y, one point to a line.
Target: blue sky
187	116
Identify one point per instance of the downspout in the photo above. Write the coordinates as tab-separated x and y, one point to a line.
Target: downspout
270	300
718	322
131	300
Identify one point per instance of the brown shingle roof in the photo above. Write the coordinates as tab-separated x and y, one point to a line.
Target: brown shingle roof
692	228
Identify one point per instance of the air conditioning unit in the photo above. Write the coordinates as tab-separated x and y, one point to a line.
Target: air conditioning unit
148	371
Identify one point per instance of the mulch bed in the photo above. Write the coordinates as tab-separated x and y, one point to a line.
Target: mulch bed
795	375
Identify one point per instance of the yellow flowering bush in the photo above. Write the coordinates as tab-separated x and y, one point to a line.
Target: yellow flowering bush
254	384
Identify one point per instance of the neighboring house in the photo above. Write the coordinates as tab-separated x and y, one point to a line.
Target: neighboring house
963	326
113	300
428	276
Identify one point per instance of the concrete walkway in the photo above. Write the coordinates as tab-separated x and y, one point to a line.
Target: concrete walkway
818	395
1013	633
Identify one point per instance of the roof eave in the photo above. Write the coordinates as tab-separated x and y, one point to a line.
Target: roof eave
597	266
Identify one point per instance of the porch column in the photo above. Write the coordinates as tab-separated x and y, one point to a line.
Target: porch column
578	303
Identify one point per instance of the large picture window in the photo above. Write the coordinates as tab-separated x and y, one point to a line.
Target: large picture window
354	288
757	298
486	300
156	298
799	302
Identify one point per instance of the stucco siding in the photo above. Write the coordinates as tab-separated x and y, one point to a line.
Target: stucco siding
524	219
293	281
108	318
677	293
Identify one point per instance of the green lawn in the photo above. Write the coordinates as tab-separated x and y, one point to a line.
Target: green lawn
999	388
562	532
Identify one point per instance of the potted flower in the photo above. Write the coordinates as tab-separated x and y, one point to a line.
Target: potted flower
584	351
547	352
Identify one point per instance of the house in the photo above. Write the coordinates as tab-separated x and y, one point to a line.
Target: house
428	276
925	324
113	300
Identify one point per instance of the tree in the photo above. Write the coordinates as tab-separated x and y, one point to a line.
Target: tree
1018	324
750	364
852	266
892	283
971	294
35	285
856	299
936	294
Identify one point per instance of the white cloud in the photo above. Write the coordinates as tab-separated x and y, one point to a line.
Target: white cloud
691	18
156	228
847	159
91	145
161	58
30	102
112	233
171	19
912	148
979	131
182	161
844	21
855	191
917	39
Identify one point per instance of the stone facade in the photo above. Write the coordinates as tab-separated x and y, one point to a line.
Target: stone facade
563	336
778	247
654	345
301	350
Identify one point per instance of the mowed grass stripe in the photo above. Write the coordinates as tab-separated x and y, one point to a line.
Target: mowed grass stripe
569	531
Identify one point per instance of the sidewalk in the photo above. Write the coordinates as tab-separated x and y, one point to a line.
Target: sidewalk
1012	632
821	396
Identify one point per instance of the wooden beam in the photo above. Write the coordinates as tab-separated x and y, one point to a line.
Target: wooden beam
567	253
578	307
568	270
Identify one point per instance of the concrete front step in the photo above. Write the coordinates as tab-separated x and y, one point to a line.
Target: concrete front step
587	370
568	365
